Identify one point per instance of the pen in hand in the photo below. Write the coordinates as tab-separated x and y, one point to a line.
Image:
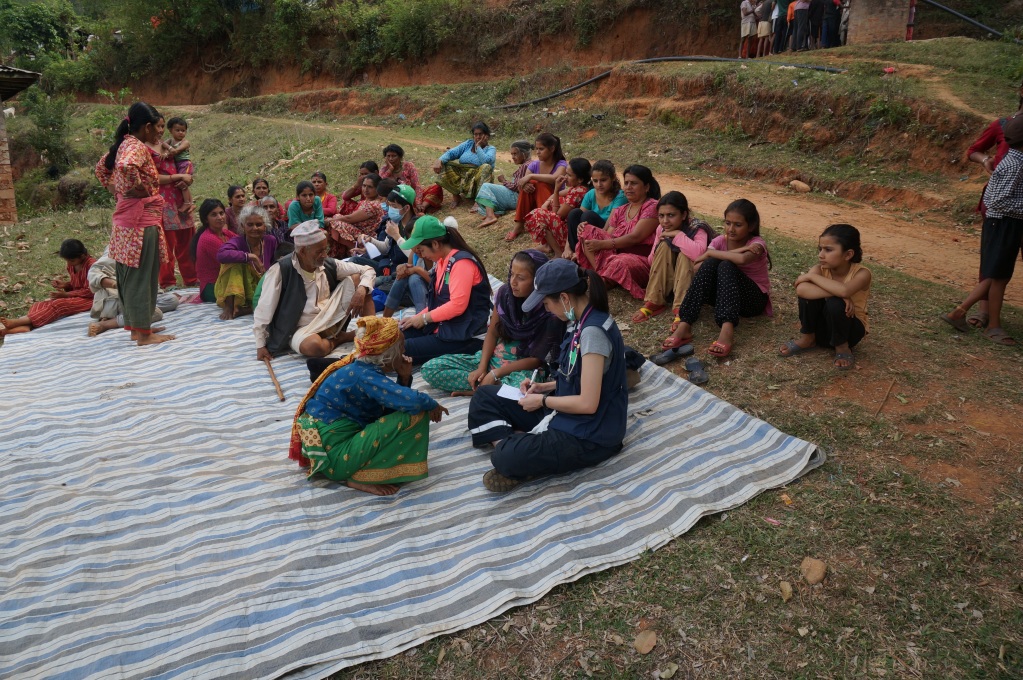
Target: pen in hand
532	381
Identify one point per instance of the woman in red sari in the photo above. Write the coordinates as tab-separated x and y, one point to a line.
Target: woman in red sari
537	185
136	241
619	251
178	229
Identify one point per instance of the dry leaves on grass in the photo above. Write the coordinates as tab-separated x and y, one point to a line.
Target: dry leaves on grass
645	642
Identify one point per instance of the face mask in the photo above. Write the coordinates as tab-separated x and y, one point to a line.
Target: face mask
393	214
569	312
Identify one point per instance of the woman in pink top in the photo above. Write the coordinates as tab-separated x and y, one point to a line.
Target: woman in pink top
732	276
620	251
212	234
679	241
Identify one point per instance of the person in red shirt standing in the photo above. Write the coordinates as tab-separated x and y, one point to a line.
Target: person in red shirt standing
988	150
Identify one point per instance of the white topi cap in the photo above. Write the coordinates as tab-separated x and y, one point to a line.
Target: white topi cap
308	233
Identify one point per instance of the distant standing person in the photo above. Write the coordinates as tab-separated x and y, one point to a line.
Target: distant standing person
802	19
781	26
816	18
763	13
748	28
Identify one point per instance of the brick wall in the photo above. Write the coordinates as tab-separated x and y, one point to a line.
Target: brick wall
8	210
873	21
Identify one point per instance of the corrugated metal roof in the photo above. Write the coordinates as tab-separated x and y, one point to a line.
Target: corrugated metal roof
14	80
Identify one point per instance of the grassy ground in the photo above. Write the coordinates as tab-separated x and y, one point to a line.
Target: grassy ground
917	513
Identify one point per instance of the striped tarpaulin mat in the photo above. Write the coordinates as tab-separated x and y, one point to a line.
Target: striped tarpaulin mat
152	525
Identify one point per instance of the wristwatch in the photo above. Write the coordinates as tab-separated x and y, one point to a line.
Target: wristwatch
543	402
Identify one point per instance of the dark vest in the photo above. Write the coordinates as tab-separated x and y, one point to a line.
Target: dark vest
606	427
292	302
476	316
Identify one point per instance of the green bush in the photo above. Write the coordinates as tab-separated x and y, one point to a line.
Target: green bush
51	116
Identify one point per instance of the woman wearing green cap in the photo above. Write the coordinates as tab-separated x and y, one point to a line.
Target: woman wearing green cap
458	300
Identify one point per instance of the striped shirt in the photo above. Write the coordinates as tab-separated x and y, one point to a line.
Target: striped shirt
1004	193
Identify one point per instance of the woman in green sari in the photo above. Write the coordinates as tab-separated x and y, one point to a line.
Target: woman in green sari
356	425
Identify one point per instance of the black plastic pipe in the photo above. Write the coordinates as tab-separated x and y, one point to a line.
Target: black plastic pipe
968	19
654	60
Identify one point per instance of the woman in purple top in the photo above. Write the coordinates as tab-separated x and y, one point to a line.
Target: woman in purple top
243	260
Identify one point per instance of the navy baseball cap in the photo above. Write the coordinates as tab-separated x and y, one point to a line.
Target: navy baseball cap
552	278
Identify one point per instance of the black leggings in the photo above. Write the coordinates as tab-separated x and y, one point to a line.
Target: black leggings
721	283
826	319
576	217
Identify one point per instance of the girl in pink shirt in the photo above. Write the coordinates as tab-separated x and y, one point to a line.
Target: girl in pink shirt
732	276
679	240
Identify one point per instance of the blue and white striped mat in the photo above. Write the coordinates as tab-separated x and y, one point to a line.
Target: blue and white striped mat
152	526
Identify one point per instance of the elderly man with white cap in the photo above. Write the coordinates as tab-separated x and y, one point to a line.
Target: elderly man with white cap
306	295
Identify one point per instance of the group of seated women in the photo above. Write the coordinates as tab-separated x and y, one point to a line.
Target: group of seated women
542	359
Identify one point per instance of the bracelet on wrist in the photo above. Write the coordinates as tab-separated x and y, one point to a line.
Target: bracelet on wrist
494	373
543	402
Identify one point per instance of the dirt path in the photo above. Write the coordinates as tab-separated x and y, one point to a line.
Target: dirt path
927	249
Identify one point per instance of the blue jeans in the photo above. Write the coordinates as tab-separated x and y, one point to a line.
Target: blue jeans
413	287
497	196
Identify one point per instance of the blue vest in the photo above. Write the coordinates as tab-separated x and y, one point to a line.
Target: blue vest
606	426
474	320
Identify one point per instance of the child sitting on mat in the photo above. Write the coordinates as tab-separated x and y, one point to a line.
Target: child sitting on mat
833	298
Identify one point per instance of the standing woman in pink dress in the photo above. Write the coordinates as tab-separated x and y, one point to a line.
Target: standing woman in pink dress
619	252
136	240
178	228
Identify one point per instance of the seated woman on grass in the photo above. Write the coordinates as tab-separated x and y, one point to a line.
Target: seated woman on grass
70	296
492	199
243	260
517	342
235	203
400	170
537	185
547	223
732	276
327	199
345	230
357	426
679	240
597	204
468	166
212	234
306	206
351	196
619	251
833	298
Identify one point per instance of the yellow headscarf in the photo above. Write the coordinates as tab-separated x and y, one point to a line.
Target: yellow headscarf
380	335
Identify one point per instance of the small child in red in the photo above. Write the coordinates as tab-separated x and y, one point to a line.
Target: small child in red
70	297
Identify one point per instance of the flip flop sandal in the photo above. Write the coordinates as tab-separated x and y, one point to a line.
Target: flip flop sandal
511	236
670	355
697	373
999	337
847	356
793	349
719	349
674	343
978	319
676	321
646	313
498	483
958	324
